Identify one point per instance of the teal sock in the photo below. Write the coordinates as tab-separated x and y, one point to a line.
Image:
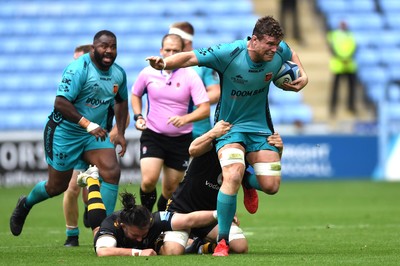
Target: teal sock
252	182
109	194
226	209
72	231
37	194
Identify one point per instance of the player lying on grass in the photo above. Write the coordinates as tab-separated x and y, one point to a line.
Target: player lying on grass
199	191
132	231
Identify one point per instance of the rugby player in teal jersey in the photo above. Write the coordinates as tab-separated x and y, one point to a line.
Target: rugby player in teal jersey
76	129
246	69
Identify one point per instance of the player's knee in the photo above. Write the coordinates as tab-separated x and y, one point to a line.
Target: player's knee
111	175
237	240
148	185
239	246
171	250
272	173
174	243
53	191
271	187
73	191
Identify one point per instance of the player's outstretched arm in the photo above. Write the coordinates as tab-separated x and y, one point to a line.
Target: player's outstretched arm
179	60
116	251
203	143
182	221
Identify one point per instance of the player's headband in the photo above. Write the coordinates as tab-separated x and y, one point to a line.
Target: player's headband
181	33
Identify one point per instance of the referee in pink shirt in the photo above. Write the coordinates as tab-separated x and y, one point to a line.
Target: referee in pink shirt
167	126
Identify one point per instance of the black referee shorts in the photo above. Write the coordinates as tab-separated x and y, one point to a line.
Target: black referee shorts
173	150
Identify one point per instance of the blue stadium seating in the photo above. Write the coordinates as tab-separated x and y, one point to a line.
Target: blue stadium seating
357	21
288	107
39	36
392	20
367	56
344	6
389	5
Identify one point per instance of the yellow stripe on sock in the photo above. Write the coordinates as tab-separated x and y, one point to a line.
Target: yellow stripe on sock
91	181
94	206
94	194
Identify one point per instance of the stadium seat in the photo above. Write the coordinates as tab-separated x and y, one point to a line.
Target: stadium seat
393	92
389	55
332	6
375	73
357	21
367	56
389	5
296	113
328	7
392	20
375	91
278	96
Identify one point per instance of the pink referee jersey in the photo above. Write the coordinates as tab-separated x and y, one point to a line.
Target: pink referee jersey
169	95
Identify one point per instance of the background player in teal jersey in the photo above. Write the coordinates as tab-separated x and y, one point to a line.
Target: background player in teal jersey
76	129
246	68
208	76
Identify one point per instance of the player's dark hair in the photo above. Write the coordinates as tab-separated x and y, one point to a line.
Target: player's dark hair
104	32
133	214
268	26
173	36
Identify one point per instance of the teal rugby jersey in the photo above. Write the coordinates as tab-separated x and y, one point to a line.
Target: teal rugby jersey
244	84
91	90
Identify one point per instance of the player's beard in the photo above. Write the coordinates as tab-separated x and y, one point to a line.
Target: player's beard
99	60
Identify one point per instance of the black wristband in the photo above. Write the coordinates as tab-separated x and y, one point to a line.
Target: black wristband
136	117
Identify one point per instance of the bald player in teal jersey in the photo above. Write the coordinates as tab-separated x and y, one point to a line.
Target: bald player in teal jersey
76	129
246	69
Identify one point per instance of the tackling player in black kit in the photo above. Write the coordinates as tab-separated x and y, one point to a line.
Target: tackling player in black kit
199	190
132	231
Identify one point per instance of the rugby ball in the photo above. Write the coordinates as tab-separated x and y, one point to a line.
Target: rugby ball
288	72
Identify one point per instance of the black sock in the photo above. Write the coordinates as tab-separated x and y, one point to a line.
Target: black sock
148	199
162	203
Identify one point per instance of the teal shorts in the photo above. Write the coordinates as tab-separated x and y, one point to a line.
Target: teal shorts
81	166
65	148
250	141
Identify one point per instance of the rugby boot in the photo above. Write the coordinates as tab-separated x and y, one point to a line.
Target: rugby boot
72	241
250	197
222	249
18	216
92	171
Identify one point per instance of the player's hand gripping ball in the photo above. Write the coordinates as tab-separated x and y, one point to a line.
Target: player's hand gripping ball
288	72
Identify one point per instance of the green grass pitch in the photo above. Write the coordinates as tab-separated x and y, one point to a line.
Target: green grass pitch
306	223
